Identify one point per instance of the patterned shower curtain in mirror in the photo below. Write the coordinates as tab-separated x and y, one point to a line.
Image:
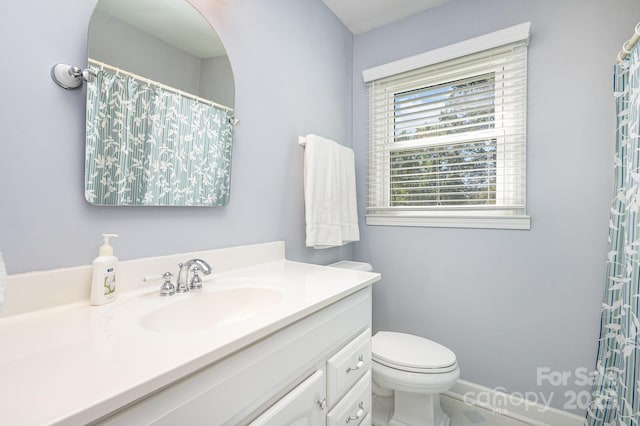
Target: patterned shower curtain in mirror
150	146
616	392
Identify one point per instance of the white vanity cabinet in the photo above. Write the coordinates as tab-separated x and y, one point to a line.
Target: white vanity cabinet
315	372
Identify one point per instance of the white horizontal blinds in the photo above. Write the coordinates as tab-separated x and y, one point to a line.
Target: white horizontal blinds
451	136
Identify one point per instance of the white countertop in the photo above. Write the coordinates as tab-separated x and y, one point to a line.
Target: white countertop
76	363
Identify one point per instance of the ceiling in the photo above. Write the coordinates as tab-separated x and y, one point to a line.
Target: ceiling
363	15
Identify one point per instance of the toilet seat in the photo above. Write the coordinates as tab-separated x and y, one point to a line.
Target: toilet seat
413	372
406	352
443	370
418	383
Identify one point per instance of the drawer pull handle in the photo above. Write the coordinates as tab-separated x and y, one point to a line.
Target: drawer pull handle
358	366
358	415
322	403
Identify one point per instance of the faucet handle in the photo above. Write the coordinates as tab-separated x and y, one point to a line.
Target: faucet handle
167	288
196	281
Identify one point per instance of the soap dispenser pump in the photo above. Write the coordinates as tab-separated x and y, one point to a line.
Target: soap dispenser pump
103	284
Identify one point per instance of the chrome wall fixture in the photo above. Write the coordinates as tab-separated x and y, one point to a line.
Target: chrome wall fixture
69	76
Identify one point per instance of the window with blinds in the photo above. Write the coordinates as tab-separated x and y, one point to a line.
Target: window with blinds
448	141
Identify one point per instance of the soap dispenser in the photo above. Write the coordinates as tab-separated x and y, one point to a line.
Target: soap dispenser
103	284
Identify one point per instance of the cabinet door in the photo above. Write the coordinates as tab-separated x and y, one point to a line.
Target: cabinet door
303	406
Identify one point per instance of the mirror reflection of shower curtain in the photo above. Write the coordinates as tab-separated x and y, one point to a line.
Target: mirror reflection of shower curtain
616	393
147	146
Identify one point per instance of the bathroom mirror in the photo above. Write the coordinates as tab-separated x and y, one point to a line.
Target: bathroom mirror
159	121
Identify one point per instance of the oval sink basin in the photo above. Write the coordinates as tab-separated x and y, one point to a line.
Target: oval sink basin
200	310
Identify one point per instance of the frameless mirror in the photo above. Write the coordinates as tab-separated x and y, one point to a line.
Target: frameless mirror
160	108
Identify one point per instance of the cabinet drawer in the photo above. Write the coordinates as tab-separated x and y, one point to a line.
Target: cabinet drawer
301	406
355	406
347	366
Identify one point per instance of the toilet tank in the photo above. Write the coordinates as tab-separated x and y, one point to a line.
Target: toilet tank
349	264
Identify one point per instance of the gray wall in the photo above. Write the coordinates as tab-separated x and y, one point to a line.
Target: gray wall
121	45
292	63
216	80
508	302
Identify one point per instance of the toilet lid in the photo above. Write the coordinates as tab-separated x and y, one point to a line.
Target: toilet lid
409	351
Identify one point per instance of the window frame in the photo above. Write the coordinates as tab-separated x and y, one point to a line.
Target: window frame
493	217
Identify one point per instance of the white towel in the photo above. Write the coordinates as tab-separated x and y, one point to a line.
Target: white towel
329	193
3	280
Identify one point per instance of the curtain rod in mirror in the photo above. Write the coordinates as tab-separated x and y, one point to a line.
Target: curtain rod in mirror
71	77
148	81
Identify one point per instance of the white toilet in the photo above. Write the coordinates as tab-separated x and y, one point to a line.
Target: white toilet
409	374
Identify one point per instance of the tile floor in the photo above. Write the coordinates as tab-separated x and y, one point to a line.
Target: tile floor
460	413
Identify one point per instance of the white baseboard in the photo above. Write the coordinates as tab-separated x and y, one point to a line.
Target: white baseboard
512	406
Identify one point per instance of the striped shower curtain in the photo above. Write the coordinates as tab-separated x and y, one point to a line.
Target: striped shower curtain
616	392
147	146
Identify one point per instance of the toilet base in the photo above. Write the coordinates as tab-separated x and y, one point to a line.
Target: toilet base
381	410
415	410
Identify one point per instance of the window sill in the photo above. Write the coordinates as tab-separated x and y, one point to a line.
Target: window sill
483	222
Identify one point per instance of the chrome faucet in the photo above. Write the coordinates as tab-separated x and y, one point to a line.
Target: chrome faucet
183	284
